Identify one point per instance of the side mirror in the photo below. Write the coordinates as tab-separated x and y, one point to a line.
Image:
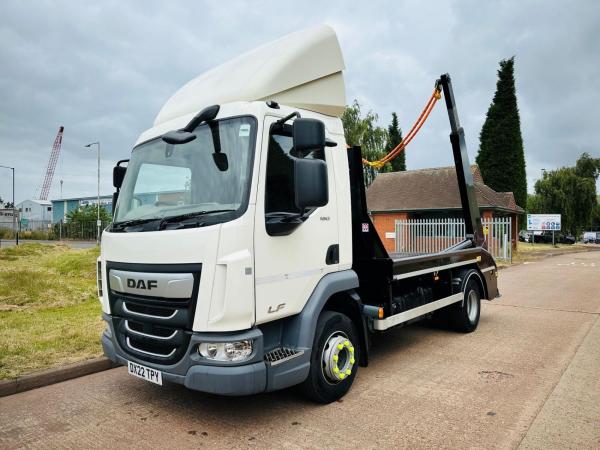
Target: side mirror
177	137
310	183
221	161
308	135
118	175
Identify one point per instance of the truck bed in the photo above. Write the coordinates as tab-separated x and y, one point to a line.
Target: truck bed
408	265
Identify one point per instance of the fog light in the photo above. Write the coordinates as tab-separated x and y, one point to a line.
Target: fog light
210	350
225	351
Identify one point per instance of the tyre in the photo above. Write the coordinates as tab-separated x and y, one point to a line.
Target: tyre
334	358
464	316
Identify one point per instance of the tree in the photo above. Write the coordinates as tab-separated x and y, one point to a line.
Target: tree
534	204
7	205
596	216
501	157
394	138
88	213
363	131
587	166
564	191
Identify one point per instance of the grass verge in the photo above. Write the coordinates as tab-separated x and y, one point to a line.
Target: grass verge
49	311
527	252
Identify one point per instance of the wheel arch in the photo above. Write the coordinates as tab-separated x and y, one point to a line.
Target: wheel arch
349	304
473	273
334	292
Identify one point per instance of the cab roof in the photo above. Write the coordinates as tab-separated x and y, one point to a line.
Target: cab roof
302	70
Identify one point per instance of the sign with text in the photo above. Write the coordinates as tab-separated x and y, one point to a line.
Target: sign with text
543	222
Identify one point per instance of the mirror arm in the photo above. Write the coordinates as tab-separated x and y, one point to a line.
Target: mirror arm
283	120
206	115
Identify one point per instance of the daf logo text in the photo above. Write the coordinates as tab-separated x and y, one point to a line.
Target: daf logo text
142	284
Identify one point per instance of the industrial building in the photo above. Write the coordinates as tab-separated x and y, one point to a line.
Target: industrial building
34	214
61	207
34	209
6	218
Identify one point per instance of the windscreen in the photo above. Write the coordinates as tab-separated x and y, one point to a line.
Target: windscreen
209	174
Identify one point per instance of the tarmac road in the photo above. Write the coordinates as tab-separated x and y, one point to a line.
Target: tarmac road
528	377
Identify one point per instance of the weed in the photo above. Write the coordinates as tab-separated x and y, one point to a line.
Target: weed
49	311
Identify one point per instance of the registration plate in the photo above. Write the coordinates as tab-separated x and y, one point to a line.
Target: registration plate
145	373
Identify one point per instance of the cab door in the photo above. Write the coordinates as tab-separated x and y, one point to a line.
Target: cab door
288	267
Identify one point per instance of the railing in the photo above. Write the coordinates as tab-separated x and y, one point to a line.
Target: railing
44	229
424	236
78	230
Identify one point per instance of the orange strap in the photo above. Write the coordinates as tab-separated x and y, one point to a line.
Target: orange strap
435	96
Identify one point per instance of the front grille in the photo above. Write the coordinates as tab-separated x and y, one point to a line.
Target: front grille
153	329
279	355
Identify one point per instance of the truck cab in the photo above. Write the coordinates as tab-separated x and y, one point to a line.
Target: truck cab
231	264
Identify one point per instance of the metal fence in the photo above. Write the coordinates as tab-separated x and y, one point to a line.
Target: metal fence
78	230
423	236
43	229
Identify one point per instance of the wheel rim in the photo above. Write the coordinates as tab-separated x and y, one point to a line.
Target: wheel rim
472	306
337	358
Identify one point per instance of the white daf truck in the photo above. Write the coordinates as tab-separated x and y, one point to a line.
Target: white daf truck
242	259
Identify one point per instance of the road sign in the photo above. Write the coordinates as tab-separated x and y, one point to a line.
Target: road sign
486	230
543	222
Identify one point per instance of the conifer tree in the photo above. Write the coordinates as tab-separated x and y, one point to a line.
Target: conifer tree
394	138
501	157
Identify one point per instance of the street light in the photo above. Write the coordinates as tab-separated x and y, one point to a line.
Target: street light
98	206
15	231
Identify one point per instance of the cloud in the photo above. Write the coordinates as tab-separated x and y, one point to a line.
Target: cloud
104	69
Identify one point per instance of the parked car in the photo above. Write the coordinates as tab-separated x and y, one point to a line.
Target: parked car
589	237
525	236
545	237
566	239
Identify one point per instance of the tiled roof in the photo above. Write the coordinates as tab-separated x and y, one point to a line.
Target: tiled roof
432	189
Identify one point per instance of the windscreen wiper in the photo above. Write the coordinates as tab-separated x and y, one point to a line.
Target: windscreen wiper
188	216
131	223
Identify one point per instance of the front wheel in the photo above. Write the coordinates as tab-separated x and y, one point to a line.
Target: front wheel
334	358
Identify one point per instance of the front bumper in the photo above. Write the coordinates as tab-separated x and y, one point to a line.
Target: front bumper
247	377
235	380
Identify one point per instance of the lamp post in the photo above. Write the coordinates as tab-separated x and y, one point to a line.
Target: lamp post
98	206
15	231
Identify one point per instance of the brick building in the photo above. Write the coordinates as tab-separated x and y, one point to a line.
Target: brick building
432	194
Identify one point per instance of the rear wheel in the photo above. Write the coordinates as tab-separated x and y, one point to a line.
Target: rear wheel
464	316
334	358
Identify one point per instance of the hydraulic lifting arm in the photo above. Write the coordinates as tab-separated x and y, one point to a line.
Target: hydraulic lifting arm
367	245
463	168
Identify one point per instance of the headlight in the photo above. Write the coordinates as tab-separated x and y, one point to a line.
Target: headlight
225	351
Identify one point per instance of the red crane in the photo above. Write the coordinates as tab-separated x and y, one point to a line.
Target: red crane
45	190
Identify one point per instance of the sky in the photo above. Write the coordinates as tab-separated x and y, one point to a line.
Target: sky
103	70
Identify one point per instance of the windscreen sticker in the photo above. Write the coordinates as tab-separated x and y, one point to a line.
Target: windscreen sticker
244	130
